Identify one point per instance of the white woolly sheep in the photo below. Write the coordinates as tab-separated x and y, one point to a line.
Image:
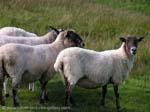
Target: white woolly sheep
32	86
90	69
24	63
13	31
46	39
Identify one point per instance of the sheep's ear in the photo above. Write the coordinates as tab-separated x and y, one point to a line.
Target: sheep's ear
122	39
140	39
65	34
51	28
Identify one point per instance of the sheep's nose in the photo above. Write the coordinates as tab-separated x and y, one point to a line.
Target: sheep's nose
133	49
82	44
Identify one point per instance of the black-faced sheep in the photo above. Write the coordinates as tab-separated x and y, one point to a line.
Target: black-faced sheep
24	63
17	35
91	69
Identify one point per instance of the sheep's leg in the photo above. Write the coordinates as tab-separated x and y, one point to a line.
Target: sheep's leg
2	102
32	86
72	100
15	93
6	87
67	93
46	96
68	89
104	91
43	94
117	97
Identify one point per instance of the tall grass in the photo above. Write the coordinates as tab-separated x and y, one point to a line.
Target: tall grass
99	25
141	6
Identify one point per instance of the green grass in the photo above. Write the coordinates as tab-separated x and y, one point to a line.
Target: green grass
134	93
100	23
141	6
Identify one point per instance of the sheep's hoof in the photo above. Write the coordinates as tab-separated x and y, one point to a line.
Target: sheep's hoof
7	95
16	104
42	101
67	110
72	102
2	103
121	110
102	104
31	89
46	98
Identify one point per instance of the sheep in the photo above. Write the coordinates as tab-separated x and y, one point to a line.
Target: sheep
32	86
4	39
24	63
13	31
46	39
90	69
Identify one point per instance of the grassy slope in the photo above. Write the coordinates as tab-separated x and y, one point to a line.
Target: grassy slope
141	6
100	23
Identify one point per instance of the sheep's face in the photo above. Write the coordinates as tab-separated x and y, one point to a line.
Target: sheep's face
73	39
131	44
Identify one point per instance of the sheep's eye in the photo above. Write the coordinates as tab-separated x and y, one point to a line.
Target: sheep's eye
73	40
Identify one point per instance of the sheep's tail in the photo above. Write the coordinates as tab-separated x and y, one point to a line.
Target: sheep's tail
59	67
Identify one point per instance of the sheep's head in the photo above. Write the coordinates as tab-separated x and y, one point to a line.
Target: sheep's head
74	39
131	44
71	39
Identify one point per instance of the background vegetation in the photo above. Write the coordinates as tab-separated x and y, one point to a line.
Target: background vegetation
100	23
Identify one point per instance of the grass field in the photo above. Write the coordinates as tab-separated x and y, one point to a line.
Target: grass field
135	97
100	23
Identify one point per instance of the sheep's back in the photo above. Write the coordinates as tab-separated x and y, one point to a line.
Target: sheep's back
23	40
82	62
13	31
